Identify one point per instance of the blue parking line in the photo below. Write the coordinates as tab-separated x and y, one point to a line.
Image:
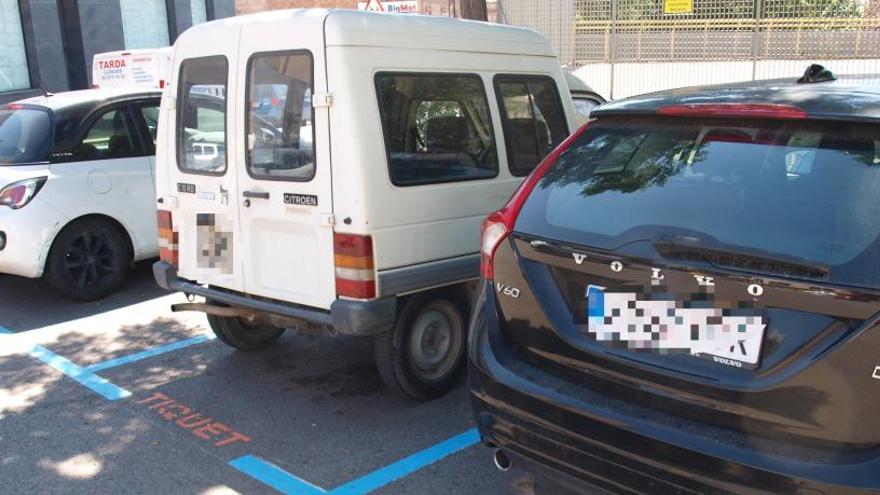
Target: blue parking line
274	476
409	465
94	382
287	483
148	353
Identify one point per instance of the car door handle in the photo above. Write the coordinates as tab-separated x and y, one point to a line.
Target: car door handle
256	194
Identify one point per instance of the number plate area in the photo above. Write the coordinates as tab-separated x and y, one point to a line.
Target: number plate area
725	336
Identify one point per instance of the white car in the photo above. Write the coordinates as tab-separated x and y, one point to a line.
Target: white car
76	188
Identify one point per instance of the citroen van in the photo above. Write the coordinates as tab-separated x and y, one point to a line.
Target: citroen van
328	171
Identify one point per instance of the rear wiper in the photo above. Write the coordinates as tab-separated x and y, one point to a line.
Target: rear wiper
694	248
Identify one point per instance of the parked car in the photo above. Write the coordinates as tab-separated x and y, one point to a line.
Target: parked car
355	174
76	188
683	297
583	96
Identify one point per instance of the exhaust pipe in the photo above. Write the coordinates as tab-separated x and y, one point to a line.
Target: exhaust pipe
502	462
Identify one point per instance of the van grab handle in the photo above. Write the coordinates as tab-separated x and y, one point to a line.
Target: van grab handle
256	194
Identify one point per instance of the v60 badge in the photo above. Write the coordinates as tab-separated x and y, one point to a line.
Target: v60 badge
507	290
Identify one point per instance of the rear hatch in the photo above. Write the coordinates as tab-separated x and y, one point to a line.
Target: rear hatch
721	271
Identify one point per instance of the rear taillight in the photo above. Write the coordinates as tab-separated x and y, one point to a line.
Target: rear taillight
168	247
746	110
500	224
353	257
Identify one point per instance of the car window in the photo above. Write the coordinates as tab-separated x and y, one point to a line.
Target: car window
201	116
437	128
25	135
584	106
802	190
150	114
109	137
534	120
280	116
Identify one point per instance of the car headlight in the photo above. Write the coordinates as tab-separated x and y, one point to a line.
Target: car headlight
18	194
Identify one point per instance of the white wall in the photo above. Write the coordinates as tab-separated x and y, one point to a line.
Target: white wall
637	78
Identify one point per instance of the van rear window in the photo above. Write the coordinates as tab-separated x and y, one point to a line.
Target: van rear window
437	128
201	115
280	115
796	190
534	120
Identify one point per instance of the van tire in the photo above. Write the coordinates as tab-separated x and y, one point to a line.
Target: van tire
88	259
236	333
426	368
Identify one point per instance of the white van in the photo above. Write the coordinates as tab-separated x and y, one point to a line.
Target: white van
339	180
148	68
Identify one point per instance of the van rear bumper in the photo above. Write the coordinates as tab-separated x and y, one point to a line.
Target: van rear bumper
346	317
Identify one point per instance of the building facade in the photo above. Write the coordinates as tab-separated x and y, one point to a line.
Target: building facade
49	44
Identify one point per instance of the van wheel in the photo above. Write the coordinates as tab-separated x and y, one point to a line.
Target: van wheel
88	260
423	355
242	335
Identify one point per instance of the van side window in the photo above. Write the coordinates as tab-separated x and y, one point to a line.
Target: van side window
280	116
201	115
109	137
437	128
533	117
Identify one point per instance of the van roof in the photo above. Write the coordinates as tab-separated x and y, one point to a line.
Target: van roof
348	27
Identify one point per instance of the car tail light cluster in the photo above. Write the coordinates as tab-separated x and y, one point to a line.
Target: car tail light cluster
499	225
168	239
745	110
355	274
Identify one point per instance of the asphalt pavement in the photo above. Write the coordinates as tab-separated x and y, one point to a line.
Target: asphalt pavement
123	396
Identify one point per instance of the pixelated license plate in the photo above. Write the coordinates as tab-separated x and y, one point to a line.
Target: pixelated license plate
667	326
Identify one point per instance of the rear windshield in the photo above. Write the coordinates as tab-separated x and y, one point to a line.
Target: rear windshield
25	136
800	190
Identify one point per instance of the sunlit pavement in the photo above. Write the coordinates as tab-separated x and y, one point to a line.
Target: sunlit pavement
124	396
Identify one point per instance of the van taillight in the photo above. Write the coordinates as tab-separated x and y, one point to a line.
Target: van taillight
353	256
168	251
499	224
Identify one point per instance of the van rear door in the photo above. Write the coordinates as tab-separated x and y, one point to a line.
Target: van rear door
201	188
284	166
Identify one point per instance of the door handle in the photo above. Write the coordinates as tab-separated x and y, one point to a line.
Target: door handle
256	194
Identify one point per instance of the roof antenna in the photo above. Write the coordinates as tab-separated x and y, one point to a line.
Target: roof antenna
816	73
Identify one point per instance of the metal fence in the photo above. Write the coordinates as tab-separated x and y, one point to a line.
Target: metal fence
626	47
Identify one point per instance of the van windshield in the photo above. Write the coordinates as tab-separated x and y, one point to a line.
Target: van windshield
796	190
25	136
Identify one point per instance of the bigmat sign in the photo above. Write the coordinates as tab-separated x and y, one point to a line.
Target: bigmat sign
400	7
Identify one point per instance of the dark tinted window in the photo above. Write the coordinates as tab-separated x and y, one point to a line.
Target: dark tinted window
150	115
803	190
25	136
280	117
437	128
201	115
109	137
534	120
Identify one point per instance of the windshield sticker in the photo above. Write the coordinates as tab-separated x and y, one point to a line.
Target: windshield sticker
214	242
726	336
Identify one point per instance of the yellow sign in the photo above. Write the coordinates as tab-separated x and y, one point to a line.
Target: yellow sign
678	6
